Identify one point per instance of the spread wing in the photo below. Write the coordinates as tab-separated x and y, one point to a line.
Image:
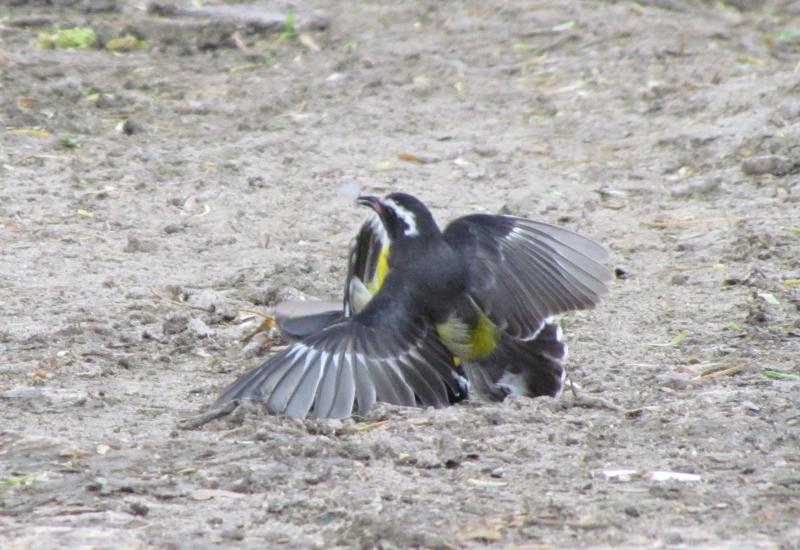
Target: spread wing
299	319
367	266
521	271
351	364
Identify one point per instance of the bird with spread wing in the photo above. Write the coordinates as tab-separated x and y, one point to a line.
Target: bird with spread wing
431	316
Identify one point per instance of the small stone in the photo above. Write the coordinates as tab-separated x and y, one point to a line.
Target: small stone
673	382
68	88
173	228
99	6
498	472
696	188
199	328
138	509
427	459
451	451
770	164
130	127
135	244
233	534
632	512
621	273
679	279
224	241
750	406
485	150
175	325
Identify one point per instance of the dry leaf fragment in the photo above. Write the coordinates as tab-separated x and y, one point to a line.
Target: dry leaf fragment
411	157
307	41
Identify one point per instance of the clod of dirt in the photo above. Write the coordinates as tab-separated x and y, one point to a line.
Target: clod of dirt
138	509
679	279
130	127
199	328
757	315
632	511
451	451
696	188
69	88
135	244
175	324
233	534
769	164
173	228
99	6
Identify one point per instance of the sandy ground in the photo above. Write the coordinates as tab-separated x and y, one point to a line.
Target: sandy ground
154	202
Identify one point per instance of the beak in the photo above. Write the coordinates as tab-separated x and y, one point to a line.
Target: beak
373	202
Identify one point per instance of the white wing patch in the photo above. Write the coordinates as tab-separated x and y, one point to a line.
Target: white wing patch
360	295
407	216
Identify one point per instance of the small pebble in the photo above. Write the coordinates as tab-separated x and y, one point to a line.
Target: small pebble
696	188
199	328
130	127
233	534
770	164
138	509
136	244
749	405
679	279
484	150
173	228
498	472
632	512
175	324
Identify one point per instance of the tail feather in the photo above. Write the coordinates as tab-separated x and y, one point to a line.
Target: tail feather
521	367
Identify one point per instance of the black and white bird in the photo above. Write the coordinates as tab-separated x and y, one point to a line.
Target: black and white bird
430	316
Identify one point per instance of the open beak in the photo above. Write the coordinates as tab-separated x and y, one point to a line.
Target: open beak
373	202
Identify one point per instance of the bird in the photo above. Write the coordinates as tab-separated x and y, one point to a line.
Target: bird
432	316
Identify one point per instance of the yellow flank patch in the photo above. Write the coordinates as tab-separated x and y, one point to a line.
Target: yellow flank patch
381	270
469	343
482	338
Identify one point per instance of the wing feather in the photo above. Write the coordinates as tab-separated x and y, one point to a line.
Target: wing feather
365	253
299	319
348	366
521	272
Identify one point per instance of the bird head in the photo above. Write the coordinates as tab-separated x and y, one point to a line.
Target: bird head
402	215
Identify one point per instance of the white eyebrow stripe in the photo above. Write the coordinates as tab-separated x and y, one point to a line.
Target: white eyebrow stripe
407	216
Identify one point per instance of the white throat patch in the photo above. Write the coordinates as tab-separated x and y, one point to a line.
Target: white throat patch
407	216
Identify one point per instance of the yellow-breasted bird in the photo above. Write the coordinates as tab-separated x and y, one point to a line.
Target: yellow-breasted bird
430	316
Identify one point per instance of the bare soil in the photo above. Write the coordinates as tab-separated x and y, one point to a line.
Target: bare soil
155	202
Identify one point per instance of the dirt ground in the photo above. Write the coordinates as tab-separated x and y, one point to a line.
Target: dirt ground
154	202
